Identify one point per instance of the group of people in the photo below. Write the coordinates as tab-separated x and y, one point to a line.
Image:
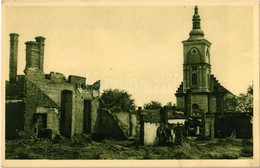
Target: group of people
167	135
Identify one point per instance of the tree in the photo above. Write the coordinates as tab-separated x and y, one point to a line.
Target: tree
170	105
117	100
245	101
230	103
153	105
250	90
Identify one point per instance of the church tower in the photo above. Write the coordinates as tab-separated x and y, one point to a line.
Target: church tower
200	92
196	65
196	68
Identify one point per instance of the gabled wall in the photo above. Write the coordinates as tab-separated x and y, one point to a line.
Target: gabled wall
34	98
108	126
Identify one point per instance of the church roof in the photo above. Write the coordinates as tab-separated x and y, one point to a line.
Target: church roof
215	87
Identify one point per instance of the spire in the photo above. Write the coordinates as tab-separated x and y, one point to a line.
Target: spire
196	9
196	33
196	19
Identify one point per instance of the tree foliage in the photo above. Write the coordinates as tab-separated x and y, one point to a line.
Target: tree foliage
153	105
170	105
241	103
230	103
245	101
117	100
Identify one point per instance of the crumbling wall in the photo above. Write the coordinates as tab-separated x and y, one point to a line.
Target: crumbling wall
78	108
53	90
14	107
53	86
94	110
14	118
15	91
149	123
34	98
44	91
53	120
41	92
128	122
108	126
123	120
134	130
56	77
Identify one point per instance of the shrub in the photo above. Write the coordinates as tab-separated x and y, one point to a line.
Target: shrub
147	154
96	155
247	142
247	152
22	154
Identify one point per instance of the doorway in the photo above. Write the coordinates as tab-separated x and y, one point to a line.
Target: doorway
42	121
41	126
66	113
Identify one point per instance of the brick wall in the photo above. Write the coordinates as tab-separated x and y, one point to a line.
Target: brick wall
34	98
201	100
14	90
53	119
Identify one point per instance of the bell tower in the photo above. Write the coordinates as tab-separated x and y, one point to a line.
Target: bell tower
200	92
196	52
196	70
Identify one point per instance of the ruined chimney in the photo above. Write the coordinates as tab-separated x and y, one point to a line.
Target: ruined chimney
32	55
13	57
41	40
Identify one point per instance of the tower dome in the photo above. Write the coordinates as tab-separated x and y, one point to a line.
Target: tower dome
196	32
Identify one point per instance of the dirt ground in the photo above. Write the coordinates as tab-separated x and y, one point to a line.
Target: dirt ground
82	148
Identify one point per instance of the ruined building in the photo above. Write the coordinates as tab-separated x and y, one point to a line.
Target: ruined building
200	92
47	104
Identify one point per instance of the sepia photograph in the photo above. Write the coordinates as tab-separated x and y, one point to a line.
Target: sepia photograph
128	83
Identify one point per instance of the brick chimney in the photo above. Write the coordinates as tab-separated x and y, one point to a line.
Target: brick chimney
41	40
13	57
32	55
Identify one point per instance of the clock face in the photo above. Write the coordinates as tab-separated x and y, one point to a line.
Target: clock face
194	51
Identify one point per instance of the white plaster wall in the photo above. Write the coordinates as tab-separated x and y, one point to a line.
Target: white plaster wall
175	121
135	126
150	130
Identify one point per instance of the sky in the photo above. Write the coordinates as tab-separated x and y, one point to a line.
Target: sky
135	48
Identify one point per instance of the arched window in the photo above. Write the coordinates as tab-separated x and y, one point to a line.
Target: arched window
195	107
194	79
195	110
